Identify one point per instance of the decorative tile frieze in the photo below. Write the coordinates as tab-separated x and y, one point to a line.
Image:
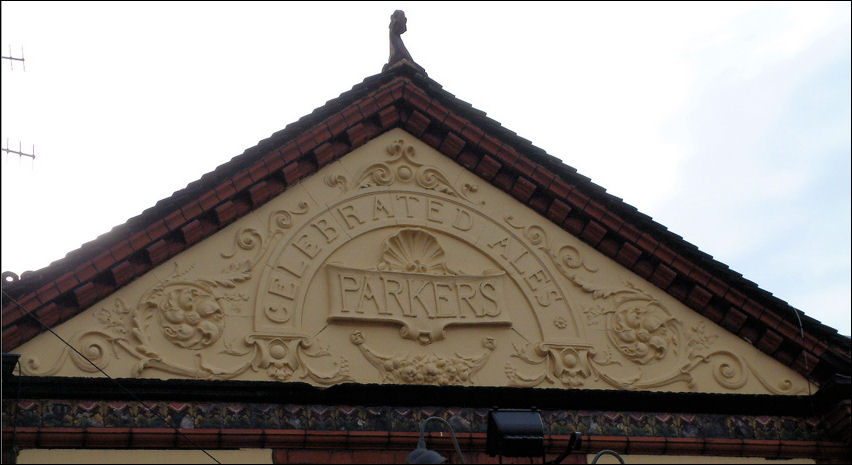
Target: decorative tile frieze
315	417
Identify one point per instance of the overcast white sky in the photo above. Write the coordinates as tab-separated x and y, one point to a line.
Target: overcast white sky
727	122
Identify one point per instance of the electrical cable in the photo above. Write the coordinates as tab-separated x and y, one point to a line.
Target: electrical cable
127	391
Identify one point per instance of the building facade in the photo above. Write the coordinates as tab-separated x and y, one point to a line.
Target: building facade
394	256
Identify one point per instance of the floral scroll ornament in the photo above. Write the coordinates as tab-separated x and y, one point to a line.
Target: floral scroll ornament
250	239
282	356
403	167
639	330
560	363
189	314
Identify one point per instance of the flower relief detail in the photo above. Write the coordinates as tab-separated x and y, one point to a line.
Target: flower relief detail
659	349
190	316
643	332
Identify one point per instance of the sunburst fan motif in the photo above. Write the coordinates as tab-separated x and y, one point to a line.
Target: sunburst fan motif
413	251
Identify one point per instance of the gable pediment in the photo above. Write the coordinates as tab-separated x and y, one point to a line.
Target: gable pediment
394	264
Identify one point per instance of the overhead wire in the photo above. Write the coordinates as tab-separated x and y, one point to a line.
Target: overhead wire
126	390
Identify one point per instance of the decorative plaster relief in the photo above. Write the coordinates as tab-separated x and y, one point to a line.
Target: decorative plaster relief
426	368
192	314
403	168
414	288
657	349
392	248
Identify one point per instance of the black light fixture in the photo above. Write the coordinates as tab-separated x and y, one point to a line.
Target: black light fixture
610	452
515	433
424	455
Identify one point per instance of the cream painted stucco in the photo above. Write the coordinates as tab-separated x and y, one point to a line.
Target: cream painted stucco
609	459
142	456
395	264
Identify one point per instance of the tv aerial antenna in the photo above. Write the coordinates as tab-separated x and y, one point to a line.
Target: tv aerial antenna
12	59
20	153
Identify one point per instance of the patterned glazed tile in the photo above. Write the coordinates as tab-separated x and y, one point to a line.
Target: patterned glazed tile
322	417
150	415
376	419
88	413
433	426
58	413
612	423
180	415
664	425
740	427
714	426
200	415
765	428
814	429
689	426
794	429
24	413
404	419
479	420
292	416
235	415
460	419
571	423
351	418
264	416
639	424
587	422
118	414
555	422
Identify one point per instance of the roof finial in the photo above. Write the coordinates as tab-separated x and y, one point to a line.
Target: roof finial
398	52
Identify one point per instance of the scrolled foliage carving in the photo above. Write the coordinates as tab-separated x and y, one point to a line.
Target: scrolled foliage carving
644	332
403	167
559	364
191	315
566	259
652	348
249	238
282	356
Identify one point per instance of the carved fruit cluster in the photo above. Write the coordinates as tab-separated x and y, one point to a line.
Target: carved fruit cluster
429	369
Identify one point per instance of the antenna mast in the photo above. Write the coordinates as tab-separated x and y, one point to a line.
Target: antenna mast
13	59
